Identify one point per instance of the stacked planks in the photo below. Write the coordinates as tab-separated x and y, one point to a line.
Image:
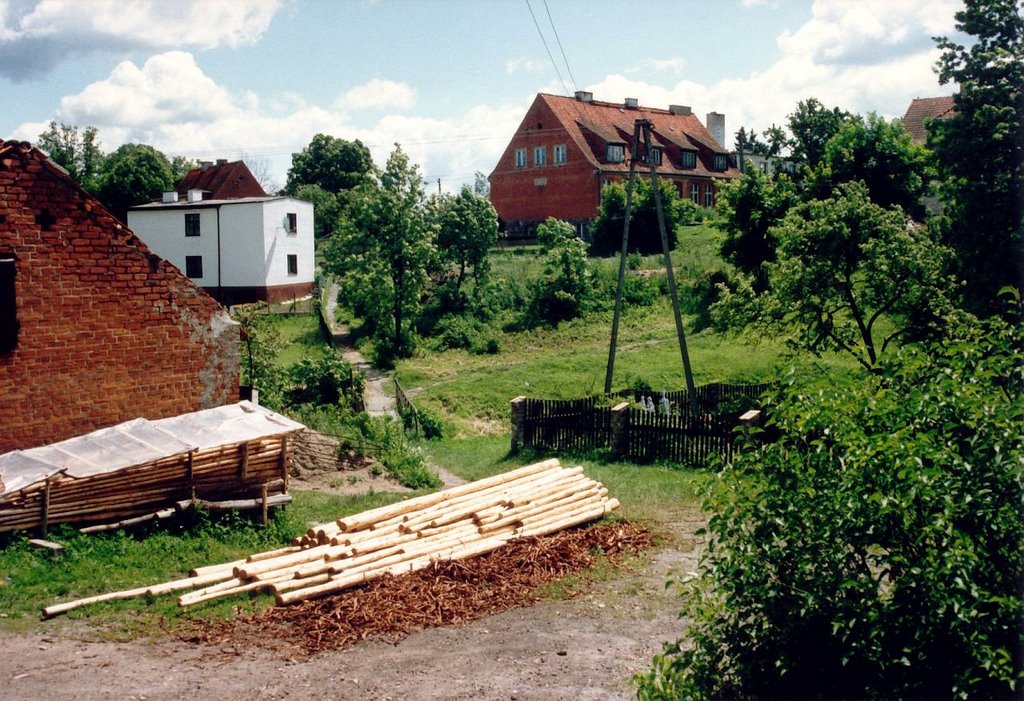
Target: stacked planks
456	523
230	471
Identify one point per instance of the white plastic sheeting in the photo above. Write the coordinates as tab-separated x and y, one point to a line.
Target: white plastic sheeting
140	441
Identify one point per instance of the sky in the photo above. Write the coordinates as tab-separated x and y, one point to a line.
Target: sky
448	80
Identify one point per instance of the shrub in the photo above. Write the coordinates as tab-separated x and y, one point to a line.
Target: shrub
327	380
874	550
385	439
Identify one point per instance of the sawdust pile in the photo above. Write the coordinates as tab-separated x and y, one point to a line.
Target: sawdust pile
444	594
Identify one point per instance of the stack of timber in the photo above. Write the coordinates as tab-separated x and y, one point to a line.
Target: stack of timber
146	469
407	536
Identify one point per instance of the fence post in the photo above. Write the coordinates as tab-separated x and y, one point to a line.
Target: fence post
620	429
518	422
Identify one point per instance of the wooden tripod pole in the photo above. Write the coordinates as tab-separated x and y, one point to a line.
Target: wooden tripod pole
622	265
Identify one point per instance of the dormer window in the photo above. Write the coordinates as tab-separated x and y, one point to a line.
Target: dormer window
720	161
688	159
654	156
616	153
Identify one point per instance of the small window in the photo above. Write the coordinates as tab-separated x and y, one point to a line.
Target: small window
293	222
293	264
520	158
559	154
720	161
654	156
8	304
540	155
192	225
194	267
695	192
709	196
688	159
616	153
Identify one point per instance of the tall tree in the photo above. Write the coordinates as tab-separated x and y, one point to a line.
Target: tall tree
383	251
332	163
468	229
980	149
881	155
77	152
644	233
133	174
750	207
812	125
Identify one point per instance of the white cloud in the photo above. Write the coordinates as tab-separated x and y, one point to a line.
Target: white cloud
37	35
380	94
525	65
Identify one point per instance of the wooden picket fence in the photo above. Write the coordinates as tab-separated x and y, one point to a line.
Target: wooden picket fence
684	435
568	426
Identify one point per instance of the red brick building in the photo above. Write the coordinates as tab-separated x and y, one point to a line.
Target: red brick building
568	148
95	329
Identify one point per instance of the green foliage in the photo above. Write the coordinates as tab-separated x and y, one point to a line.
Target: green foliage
873	550
331	163
385	439
749	208
261	343
852	277
327	380
133	174
980	150
326	205
567	289
468	227
812	126
878	153
78	153
383	251
644	234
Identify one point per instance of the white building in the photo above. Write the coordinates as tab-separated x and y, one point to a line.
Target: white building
239	250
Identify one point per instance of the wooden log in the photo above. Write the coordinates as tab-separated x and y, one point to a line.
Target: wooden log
542	527
155	516
247	570
540	507
138	592
197	598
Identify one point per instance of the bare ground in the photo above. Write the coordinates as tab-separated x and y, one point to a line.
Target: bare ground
584	647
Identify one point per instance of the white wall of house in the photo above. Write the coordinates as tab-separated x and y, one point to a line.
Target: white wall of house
254	239
163	230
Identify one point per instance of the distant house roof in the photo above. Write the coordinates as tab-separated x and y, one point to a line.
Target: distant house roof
924	109
223	181
612	123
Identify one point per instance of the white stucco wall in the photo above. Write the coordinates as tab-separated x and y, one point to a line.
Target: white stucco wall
254	243
163	230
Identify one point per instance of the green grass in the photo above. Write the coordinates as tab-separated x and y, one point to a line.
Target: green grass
300	338
109	562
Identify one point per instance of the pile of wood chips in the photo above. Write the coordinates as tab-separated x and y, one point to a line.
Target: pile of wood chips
444	594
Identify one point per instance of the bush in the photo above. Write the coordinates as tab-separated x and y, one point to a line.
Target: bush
385	439
874	550
327	380
567	289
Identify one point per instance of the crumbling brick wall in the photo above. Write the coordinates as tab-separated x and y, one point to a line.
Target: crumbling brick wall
108	331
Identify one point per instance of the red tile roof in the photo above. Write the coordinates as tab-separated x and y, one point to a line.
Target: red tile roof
612	122
224	181
924	109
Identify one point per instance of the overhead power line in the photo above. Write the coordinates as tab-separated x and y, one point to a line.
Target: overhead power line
564	59
545	42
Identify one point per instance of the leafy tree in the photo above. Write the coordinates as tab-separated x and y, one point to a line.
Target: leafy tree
481	185
747	142
332	163
78	153
644	234
181	165
879	153
872	551
852	276
262	342
133	174
812	126
327	207
980	149
468	228
750	207
383	251
567	289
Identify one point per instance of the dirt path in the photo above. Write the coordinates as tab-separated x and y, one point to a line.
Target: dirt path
585	648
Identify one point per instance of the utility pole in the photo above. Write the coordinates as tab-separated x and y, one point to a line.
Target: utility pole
642	152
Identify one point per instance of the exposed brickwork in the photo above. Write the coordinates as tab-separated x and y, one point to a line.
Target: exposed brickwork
109	331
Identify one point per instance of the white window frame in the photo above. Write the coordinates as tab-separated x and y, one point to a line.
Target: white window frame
559	155
709	196
695	193
615	153
654	156
520	158
540	155
688	159
721	161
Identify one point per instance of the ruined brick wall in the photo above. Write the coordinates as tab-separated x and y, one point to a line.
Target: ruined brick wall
108	330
